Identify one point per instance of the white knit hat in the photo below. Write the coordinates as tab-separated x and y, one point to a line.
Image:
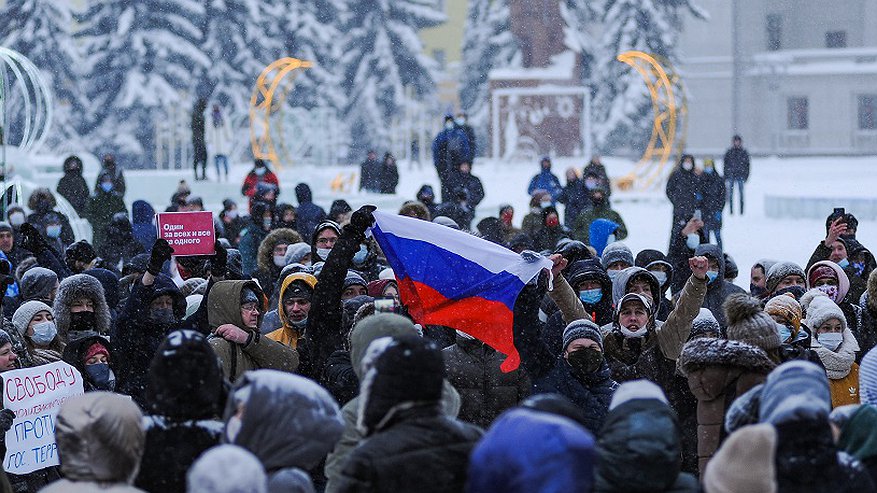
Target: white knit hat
820	309
636	389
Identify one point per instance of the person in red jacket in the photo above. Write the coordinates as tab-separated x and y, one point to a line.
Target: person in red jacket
259	174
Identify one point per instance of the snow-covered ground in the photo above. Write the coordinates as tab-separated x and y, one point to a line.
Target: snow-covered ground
647	214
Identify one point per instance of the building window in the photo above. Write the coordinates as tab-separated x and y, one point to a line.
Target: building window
774	32
836	39
797	113
868	112
439	56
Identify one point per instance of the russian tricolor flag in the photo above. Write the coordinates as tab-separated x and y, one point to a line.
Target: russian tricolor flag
451	278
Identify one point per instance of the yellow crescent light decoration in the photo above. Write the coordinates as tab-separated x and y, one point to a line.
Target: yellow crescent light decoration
664	128
263	103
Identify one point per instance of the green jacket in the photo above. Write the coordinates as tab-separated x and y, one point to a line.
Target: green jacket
99	211
223	307
581	227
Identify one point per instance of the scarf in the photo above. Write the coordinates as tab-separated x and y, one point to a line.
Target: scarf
837	364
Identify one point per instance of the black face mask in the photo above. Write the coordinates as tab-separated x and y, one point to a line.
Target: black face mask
757	291
80	321
585	361
101	376
164	316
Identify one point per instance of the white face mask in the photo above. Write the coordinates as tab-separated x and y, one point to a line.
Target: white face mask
634	334
660	276
233	428
280	261
830	340
44	333
16	218
231	214
546	204
323	253
687	166
692	241
460	121
449	125
260	171
612	274
610	239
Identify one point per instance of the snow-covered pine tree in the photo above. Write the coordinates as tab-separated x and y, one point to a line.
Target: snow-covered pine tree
622	108
581	18
41	31
141	58
309	31
241	39
382	55
488	44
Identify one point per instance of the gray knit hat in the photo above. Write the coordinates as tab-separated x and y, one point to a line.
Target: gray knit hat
779	271
615	252
705	323
297	251
748	323
582	329
25	313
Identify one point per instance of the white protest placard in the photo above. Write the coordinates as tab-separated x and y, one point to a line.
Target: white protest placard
36	395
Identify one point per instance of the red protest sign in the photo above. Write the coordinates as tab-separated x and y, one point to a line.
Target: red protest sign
189	233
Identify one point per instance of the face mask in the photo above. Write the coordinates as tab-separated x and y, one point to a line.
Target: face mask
106	186
232	214
709	171
53	230
266	224
360	255
16	218
610	239
233	428
591	296
692	241
82	321
830	340
449	125
687	166
844	263
784	332
545	204
323	253
660	276
634	334
830	290
460	121
757	291
585	361
260	171
280	261
101	376
859	267
165	316
590	183
301	324
612	274
712	275
44	333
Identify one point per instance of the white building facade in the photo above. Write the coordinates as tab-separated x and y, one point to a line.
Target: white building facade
796	77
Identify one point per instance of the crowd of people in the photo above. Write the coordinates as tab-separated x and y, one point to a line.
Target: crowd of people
287	361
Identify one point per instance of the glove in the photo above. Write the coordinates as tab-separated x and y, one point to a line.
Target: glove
219	262
161	253
6	418
30	239
362	219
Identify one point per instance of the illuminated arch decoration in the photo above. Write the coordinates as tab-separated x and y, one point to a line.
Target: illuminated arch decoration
36	95
269	96
670	120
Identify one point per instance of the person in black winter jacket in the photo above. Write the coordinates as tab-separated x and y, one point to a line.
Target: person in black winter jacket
400	414
736	170
53	225
72	185
309	215
683	190
462	177
712	188
389	175
657	263
199	146
575	197
155	307
184	399
579	373
119	244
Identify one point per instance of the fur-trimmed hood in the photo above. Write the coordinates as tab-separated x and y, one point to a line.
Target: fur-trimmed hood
265	255
703	352
73	288
871	293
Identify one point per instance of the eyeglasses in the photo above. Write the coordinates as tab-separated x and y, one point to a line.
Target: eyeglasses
250	307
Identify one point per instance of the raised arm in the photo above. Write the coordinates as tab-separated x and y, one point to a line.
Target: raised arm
675	331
